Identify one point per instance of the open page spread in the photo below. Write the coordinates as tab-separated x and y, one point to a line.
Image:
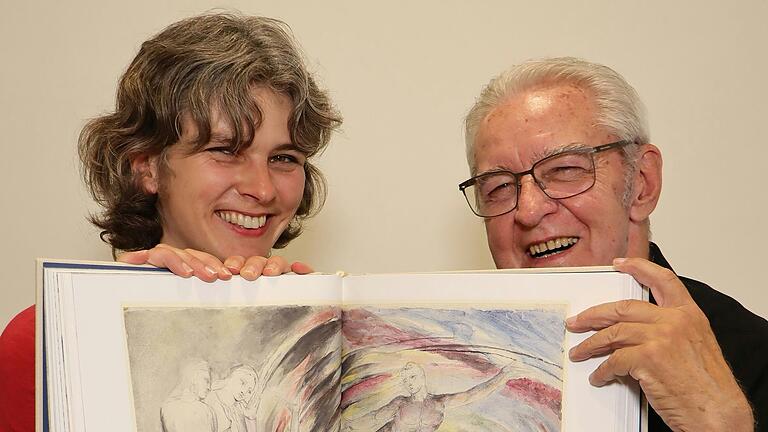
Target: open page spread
131	349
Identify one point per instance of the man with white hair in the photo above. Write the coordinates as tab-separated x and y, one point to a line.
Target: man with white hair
564	174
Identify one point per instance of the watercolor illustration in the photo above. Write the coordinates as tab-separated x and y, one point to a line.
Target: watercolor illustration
452	369
235	369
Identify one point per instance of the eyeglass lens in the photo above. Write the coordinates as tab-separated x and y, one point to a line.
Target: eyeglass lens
559	176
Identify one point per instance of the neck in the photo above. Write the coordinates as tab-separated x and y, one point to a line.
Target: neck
637	242
420	395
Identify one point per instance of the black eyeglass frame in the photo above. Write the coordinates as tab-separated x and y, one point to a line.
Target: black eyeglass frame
518	176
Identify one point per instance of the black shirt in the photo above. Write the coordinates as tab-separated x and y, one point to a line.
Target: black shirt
743	338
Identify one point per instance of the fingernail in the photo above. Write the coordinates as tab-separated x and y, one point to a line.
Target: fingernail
570	321
618	261
187	268
271	268
247	272
210	270
226	271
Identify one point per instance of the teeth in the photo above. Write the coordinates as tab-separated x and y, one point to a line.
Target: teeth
551	245
245	221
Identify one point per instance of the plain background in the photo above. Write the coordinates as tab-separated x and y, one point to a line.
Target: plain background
404	73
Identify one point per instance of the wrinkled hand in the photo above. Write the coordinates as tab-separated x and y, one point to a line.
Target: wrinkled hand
191	262
669	349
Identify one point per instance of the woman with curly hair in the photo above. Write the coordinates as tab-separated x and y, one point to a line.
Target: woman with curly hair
203	167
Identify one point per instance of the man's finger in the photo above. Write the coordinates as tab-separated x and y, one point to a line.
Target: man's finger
667	289
618	364
607	314
610	339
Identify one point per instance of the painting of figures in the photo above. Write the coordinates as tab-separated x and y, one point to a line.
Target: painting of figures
452	368
234	369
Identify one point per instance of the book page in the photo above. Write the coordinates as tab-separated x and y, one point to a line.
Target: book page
481	352
158	352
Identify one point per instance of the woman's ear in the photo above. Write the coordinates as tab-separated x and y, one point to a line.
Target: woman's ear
145	168
646	183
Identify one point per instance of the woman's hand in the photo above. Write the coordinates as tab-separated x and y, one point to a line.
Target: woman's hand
191	262
252	267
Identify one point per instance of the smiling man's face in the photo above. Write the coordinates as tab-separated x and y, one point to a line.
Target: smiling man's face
588	229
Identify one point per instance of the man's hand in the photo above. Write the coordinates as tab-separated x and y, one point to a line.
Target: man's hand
669	349
191	262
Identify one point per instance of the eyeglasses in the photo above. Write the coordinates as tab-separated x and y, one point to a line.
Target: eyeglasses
559	176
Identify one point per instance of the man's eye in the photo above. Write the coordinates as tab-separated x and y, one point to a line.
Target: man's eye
566	173
495	191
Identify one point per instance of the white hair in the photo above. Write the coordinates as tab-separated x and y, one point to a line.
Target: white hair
619	108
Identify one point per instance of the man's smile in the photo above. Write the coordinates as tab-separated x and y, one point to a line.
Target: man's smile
551	247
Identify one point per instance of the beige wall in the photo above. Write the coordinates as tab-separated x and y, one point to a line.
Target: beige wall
404	73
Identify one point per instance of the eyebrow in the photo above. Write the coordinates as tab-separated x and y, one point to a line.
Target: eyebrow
218	137
539	155
221	137
290	147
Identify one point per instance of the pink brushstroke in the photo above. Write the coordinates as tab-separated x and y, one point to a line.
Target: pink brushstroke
364	329
536	392
359	390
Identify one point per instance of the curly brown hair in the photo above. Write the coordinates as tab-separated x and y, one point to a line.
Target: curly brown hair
206	61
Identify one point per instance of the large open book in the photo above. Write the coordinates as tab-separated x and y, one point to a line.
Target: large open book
137	349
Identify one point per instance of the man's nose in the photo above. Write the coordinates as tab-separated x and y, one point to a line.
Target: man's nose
255	181
532	203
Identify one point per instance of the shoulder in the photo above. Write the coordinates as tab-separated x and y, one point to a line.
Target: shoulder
743	338
21	327
728	318
725	314
17	342
17	372
398	401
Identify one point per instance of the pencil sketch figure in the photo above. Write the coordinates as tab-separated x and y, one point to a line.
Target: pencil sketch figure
420	410
184	410
266	369
429	369
233	400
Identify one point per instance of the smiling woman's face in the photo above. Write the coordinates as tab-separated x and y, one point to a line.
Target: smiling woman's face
230	204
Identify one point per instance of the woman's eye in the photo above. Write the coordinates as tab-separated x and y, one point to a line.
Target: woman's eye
224	150
285	158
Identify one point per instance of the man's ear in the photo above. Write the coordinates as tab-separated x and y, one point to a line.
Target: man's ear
145	168
646	183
